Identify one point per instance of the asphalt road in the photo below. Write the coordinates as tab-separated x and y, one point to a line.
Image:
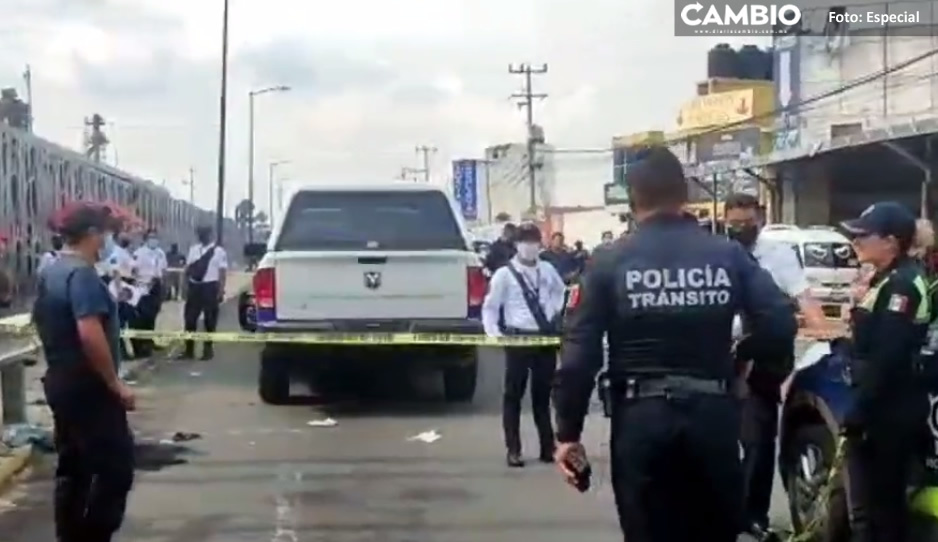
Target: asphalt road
263	473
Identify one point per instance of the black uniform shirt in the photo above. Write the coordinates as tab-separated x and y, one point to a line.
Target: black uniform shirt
666	297
889	328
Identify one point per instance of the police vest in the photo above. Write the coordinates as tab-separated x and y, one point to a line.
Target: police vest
922	313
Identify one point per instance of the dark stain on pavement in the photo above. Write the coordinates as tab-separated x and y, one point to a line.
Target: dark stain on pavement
155	456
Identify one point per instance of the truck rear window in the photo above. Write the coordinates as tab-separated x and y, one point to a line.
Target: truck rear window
380	220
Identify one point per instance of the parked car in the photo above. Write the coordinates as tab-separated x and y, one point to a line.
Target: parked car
368	259
812	413
827	257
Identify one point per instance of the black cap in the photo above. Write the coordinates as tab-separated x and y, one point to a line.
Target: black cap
528	233
884	219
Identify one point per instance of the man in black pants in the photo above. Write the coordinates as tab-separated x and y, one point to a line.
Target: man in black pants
525	296
76	320
773	363
206	269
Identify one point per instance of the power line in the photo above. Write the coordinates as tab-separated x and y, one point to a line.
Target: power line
527	97
793	108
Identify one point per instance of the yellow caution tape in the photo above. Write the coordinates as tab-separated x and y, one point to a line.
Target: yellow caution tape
324	338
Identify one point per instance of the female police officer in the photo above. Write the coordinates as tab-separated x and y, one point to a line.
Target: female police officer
77	322
888	326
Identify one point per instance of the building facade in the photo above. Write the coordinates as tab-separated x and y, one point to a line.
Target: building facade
505	181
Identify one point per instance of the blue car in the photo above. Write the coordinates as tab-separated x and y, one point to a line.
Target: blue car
817	401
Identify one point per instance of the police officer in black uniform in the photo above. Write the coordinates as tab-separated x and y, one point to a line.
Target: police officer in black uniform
76	320
665	296
888	327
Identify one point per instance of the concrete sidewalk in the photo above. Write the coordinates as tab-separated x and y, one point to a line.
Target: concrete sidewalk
12	462
170	319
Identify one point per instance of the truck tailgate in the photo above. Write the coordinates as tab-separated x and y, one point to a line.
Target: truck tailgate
371	285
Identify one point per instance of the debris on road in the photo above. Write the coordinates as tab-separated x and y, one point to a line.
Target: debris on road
195	373
182	436
23	434
327	422
428	437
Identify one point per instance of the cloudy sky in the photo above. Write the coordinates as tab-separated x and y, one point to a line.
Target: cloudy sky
370	80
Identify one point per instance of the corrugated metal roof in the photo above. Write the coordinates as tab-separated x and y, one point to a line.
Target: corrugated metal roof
905	129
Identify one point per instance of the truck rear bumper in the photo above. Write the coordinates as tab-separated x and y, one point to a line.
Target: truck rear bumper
430	325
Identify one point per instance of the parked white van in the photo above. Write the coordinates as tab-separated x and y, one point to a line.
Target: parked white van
828	259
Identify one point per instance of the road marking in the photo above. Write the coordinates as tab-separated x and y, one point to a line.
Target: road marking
285	515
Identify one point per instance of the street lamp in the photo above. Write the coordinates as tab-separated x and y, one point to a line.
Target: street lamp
251	95
270	187
222	125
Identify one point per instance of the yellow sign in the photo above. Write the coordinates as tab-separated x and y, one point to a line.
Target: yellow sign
717	110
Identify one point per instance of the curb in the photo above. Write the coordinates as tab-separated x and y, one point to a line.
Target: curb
15	463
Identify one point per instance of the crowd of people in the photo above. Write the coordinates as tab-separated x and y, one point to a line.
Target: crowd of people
689	338
568	261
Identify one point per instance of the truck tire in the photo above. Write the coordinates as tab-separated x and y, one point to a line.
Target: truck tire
819	439
273	382
459	382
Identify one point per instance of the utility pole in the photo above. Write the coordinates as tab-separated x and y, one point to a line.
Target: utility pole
425	151
526	101
222	126
28	79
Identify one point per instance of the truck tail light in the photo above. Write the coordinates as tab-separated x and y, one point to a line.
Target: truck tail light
265	288
476	287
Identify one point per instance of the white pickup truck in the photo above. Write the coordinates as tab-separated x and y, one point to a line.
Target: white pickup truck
368	259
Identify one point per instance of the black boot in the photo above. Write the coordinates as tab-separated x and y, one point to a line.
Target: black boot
188	352
547	453
208	352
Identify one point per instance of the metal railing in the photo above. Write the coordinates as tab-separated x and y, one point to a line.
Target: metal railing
13	382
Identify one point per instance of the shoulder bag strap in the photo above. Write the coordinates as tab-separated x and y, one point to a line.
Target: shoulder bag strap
532	301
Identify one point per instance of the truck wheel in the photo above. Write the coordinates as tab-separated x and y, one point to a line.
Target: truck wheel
273	383
459	382
808	460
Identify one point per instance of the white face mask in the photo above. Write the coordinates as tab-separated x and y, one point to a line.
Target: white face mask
528	251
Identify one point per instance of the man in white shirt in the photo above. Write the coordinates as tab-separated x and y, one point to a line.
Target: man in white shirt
206	270
50	256
121	262
150	261
743	217
525	298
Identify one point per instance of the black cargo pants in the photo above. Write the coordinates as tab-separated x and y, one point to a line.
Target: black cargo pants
676	469
759	435
201	299
878	461
148	310
541	363
95	448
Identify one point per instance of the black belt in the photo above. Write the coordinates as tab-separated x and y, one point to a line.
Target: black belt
673	386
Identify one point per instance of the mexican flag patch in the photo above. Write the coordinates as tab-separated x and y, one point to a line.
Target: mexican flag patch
898	303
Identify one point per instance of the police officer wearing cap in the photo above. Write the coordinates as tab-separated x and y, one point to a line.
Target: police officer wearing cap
888	328
77	322
665	297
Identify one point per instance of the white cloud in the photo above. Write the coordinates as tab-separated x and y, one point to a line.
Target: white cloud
370	80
